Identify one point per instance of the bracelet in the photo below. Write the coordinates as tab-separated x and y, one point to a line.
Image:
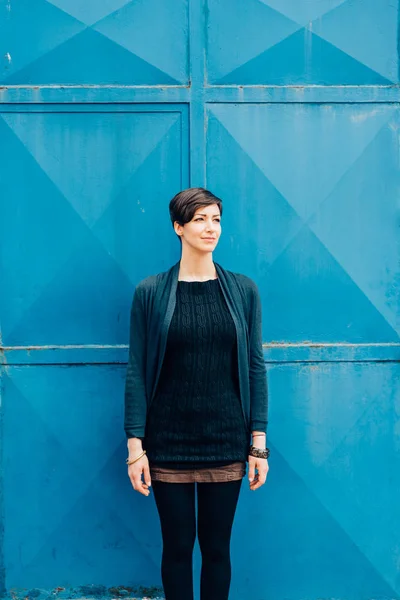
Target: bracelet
130	462
258	434
258	453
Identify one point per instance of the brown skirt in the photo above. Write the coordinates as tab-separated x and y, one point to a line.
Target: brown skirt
232	472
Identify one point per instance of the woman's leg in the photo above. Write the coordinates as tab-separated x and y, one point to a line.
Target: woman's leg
176	508
216	509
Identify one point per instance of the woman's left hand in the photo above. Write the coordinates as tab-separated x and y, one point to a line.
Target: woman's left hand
261	464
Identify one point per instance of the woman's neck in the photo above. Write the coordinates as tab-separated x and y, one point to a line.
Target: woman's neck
197	268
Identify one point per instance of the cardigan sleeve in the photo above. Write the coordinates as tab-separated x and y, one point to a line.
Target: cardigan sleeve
135	390
257	371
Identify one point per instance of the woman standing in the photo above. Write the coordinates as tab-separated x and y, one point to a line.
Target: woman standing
196	390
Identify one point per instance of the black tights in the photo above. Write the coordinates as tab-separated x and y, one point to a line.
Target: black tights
216	509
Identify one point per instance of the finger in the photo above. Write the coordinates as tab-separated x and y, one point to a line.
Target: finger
251	469
141	487
260	481
136	481
146	475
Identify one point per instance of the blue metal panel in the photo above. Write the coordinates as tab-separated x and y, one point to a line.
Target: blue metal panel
94	42
321	235
323	506
287	109
328	524
75	516
95	202
291	42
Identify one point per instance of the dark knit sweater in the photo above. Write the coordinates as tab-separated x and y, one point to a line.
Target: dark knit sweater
196	417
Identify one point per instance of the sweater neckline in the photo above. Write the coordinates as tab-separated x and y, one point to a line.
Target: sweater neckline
198	287
197	281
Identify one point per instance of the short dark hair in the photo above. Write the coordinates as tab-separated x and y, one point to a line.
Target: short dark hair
183	205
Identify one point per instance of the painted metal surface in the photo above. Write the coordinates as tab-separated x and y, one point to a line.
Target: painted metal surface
288	110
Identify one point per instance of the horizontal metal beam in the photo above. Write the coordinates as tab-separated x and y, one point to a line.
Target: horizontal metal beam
42	94
273	353
92	94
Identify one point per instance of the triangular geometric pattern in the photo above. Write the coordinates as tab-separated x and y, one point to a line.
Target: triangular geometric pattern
312	298
247	17
353	229
287	63
311	543
41	45
90	193
254	253
366	30
73	280
354	412
136	211
303	12
90	11
169	49
303	178
69	539
328	42
304	268
119	66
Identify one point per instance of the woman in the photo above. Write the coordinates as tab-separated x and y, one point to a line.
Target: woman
196	390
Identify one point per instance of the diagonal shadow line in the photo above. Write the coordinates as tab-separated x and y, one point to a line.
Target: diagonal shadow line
298	27
389	82
324	13
347	170
98	20
352	58
334	518
326	247
342	268
41	55
47	285
305	223
110	39
46	427
344	436
66	13
112	13
117	192
259	169
76	466
318	206
138	167
89	231
84	491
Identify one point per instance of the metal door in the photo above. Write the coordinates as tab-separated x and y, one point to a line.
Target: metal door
287	109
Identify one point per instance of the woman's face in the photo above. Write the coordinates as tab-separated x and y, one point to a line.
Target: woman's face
203	231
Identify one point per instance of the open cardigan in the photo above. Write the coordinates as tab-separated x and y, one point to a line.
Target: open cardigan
151	313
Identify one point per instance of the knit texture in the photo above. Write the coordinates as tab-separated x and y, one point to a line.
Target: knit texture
151	313
196	416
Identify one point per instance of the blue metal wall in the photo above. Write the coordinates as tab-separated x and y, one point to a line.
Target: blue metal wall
288	109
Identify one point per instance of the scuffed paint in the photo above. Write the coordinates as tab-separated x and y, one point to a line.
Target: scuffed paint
83	592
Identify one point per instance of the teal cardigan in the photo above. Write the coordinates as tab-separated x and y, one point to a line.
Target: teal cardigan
151	313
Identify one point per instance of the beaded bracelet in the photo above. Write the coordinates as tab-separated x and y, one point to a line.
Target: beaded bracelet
258	453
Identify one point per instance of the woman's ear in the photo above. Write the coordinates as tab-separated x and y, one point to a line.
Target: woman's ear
178	228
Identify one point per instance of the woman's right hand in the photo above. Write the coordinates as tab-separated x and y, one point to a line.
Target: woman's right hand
135	475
